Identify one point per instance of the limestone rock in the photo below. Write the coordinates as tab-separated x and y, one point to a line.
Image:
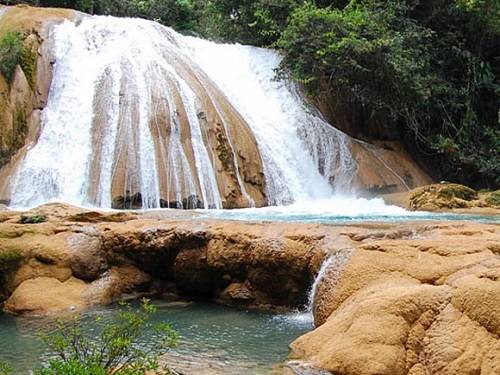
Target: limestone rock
46	295
444	195
418	304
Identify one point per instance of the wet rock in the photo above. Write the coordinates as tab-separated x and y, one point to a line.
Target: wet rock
192	202
238	292
127	202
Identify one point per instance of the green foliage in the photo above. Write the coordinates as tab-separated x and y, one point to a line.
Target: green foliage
9	260
27	61
5	369
117	349
494	198
32	219
487	10
252	22
11	49
13	52
430	74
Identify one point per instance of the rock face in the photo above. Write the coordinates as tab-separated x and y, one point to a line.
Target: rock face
412	298
423	300
385	167
115	254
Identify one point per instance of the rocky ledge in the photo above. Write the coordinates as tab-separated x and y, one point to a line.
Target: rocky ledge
393	298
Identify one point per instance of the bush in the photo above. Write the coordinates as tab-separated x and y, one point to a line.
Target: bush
426	73
33	219
11	49
116	350
494	199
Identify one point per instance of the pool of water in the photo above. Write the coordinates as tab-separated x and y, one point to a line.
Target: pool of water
340	210
234	341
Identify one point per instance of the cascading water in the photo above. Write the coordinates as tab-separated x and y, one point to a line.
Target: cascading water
328	275
137	110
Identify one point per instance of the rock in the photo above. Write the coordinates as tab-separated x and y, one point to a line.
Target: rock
115	284
441	196
411	305
86	259
239	292
446	197
192	273
397	298
45	295
385	167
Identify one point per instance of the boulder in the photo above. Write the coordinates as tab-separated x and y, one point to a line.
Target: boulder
45	295
444	195
420	303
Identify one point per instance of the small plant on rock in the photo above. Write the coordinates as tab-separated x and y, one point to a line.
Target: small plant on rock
33	219
11	50
5	368
117	350
9	260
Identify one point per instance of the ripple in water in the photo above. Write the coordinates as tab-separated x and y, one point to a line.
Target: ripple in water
229	341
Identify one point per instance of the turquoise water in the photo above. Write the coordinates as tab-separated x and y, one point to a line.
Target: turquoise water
341	210
234	341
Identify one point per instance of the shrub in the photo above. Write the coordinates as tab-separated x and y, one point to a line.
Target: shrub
494	198
33	219
11	49
117	349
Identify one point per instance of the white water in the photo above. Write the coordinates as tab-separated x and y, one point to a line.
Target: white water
125	67
332	266
302	153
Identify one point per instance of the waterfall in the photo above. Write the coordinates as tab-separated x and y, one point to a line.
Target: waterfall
328	275
139	115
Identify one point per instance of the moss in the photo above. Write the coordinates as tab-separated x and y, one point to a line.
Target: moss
34	219
10	260
494	199
443	196
27	61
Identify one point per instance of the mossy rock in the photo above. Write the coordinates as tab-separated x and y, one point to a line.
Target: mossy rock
10	260
443	196
493	199
32	219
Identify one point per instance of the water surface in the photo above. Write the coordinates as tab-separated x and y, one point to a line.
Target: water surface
234	340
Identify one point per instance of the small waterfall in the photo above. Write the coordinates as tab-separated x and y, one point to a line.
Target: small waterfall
139	115
332	267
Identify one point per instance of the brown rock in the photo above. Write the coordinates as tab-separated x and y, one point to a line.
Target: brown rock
411	306
240	292
115	284
45	295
